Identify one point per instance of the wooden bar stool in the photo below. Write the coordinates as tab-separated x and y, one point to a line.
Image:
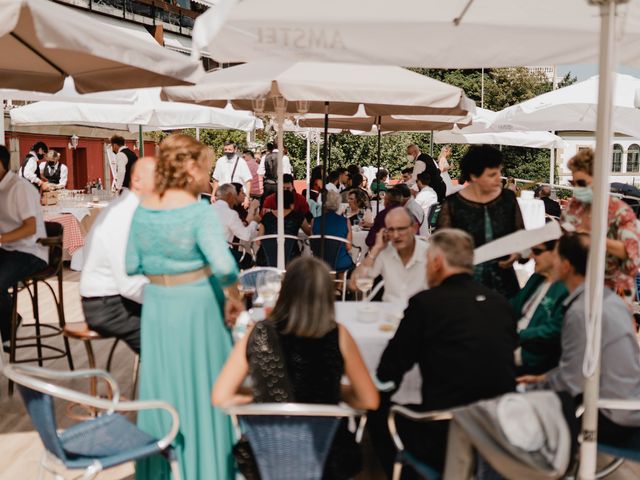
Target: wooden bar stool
30	284
81	331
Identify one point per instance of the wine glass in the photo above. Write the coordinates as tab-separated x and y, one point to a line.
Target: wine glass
268	287
364	283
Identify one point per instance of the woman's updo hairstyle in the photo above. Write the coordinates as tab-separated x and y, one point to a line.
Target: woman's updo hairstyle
174	153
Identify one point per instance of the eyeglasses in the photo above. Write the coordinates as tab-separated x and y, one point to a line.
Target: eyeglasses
391	231
538	251
578	183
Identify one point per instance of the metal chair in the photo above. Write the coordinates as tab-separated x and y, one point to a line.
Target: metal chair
30	284
432	216
332	249
403	456
94	445
269	247
290	441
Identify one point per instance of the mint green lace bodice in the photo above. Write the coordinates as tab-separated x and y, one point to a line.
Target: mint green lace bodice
166	242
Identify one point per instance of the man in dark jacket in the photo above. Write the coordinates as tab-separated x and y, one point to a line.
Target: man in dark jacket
460	334
424	163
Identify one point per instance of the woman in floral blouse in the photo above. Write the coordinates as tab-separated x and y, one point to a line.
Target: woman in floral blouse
623	237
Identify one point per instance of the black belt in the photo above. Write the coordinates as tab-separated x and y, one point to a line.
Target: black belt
95	299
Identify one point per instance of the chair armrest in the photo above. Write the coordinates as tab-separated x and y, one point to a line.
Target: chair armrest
614	404
18	373
48	374
432	416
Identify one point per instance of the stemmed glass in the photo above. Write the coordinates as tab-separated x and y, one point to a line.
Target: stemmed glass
268	286
364	283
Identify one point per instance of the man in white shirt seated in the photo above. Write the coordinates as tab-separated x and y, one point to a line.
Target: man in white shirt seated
415	209
112	300
427	196
399	256
226	199
333	182
54	172
21	225
232	168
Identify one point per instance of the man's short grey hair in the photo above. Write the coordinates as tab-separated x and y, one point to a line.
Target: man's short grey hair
407	212
224	190
333	201
456	246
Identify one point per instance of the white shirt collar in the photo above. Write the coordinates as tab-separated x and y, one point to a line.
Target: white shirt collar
416	256
122	148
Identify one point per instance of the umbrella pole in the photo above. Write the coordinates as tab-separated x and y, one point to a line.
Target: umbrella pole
141	140
552	164
594	283
2	132
198	133
327	139
280	192
318	153
323	219
431	144
378	122
308	164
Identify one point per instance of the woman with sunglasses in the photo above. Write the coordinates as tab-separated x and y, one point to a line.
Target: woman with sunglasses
487	212
539	307
623	238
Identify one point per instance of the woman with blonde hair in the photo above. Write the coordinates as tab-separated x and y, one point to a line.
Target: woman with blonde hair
299	354
176	241
623	242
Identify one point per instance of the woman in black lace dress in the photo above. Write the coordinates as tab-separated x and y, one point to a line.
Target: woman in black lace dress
487	212
300	354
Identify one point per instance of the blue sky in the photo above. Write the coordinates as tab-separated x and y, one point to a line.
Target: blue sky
585	71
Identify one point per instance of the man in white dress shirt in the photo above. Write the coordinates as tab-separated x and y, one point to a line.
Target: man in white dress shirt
29	168
427	196
226	199
231	168
399	256
268	170
54	172
21	225
112	300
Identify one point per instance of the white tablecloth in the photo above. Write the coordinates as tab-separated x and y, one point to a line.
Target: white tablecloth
372	342
532	213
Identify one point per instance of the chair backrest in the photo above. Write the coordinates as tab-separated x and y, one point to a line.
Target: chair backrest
433	214
54	241
333	247
269	247
290	441
249	277
40	408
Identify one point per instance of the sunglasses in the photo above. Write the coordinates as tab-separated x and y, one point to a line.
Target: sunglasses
578	183
538	251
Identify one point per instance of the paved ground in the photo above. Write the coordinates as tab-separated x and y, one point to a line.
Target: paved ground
20	447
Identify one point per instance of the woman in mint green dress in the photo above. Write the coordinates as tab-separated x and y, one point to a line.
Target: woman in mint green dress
177	242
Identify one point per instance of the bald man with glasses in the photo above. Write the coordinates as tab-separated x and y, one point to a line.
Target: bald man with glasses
399	256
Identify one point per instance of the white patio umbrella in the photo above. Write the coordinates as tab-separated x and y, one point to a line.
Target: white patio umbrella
336	88
574	108
480	132
490	33
43	43
148	112
460	34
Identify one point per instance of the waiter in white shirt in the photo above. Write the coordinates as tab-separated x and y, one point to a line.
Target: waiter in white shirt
29	168
21	225
125	159
231	168
54	172
112	300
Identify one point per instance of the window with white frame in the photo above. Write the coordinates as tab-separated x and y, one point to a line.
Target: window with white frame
633	158
616	160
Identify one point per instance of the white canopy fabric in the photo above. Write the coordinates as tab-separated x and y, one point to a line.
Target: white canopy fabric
43	42
574	108
479	132
515	139
388	123
381	89
421	33
68	93
148	111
